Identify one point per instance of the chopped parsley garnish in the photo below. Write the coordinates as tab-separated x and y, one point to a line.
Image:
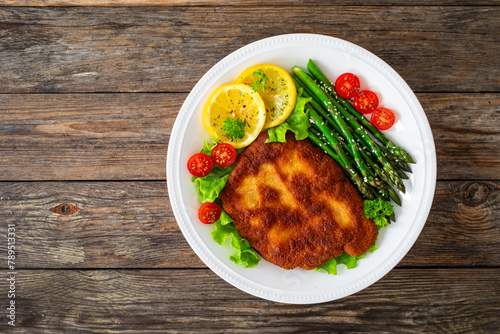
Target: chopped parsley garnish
259	85
235	128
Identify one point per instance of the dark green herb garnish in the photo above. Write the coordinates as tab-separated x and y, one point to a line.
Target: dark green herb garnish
234	127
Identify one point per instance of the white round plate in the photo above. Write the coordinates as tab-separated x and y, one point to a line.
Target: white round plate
411	131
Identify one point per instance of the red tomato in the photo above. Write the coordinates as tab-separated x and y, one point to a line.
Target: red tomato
200	165
366	102
382	118
347	85
223	155
209	213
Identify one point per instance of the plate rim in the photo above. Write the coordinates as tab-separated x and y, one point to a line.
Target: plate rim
361	283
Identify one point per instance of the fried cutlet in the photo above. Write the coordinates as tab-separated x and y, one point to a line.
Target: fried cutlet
293	204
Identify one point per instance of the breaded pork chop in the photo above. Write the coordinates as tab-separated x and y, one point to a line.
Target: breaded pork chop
293	204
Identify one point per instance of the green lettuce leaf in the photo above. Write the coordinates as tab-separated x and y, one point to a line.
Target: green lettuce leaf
224	228
208	146
209	187
277	134
225	218
329	266
349	261
297	122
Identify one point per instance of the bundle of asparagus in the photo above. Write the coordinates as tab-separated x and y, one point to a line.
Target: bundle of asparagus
373	163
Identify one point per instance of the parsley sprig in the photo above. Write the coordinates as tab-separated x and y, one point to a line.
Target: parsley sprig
378	210
259	85
234	127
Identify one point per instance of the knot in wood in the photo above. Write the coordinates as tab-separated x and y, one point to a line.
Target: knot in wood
475	193
65	209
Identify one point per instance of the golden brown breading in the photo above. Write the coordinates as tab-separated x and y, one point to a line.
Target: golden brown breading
293	204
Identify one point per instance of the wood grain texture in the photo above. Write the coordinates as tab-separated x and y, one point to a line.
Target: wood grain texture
466	131
462	228
131	225
86	137
119	225
180	301
89	92
155	49
142	3
125	136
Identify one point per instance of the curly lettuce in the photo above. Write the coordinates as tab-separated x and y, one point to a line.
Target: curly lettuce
349	261
224	229
208	189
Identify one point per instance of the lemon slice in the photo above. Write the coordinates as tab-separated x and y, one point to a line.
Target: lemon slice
278	92
233	102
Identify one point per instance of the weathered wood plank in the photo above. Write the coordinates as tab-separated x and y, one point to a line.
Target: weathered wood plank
180	301
119	225
466	131
75	49
142	3
462	227
131	225
86	137
125	136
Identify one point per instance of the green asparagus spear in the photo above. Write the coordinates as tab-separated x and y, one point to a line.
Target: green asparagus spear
381	172
325	101
383	190
403	165
373	169
395	149
366	156
319	122
319	75
337	112
374	149
351	172
383	185
371	179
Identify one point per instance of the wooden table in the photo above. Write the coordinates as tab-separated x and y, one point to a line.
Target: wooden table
88	99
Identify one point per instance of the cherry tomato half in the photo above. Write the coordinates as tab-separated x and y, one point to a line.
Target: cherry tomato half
383	118
200	165
223	155
366	102
347	85
209	213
